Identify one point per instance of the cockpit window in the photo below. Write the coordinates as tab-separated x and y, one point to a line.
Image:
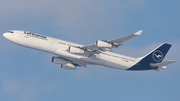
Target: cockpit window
11	32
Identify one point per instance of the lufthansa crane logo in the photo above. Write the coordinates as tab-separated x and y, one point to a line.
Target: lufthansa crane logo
157	55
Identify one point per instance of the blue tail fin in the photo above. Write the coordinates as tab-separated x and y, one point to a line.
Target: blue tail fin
155	56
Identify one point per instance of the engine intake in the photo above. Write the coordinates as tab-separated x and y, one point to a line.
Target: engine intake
59	60
68	66
76	50
104	44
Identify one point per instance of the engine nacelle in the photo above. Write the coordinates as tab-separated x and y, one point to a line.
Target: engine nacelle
59	60
68	66
104	44
76	50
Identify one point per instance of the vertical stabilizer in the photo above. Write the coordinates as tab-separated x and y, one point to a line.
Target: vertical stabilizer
158	54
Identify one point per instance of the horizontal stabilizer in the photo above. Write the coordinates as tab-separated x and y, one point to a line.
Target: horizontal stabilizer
161	64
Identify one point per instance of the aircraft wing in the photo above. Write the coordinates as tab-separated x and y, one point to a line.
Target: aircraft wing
111	43
126	38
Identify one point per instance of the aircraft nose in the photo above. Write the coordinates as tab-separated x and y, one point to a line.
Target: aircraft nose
6	35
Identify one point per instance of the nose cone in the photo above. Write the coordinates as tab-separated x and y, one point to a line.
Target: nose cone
5	35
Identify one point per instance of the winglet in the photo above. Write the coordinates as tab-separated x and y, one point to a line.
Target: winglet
138	33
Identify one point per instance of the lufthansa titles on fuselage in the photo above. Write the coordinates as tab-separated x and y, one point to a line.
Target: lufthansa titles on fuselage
35	35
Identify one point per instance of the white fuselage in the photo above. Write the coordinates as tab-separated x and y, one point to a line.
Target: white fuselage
60	47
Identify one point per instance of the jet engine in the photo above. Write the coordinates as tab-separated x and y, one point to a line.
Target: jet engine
59	60
68	66
104	44
76	50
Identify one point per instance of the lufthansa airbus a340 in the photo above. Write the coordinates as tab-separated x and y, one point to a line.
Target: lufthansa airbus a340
71	55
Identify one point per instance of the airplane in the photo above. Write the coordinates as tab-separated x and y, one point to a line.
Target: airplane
71	55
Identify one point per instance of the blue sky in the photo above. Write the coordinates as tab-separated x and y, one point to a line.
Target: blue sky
29	75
